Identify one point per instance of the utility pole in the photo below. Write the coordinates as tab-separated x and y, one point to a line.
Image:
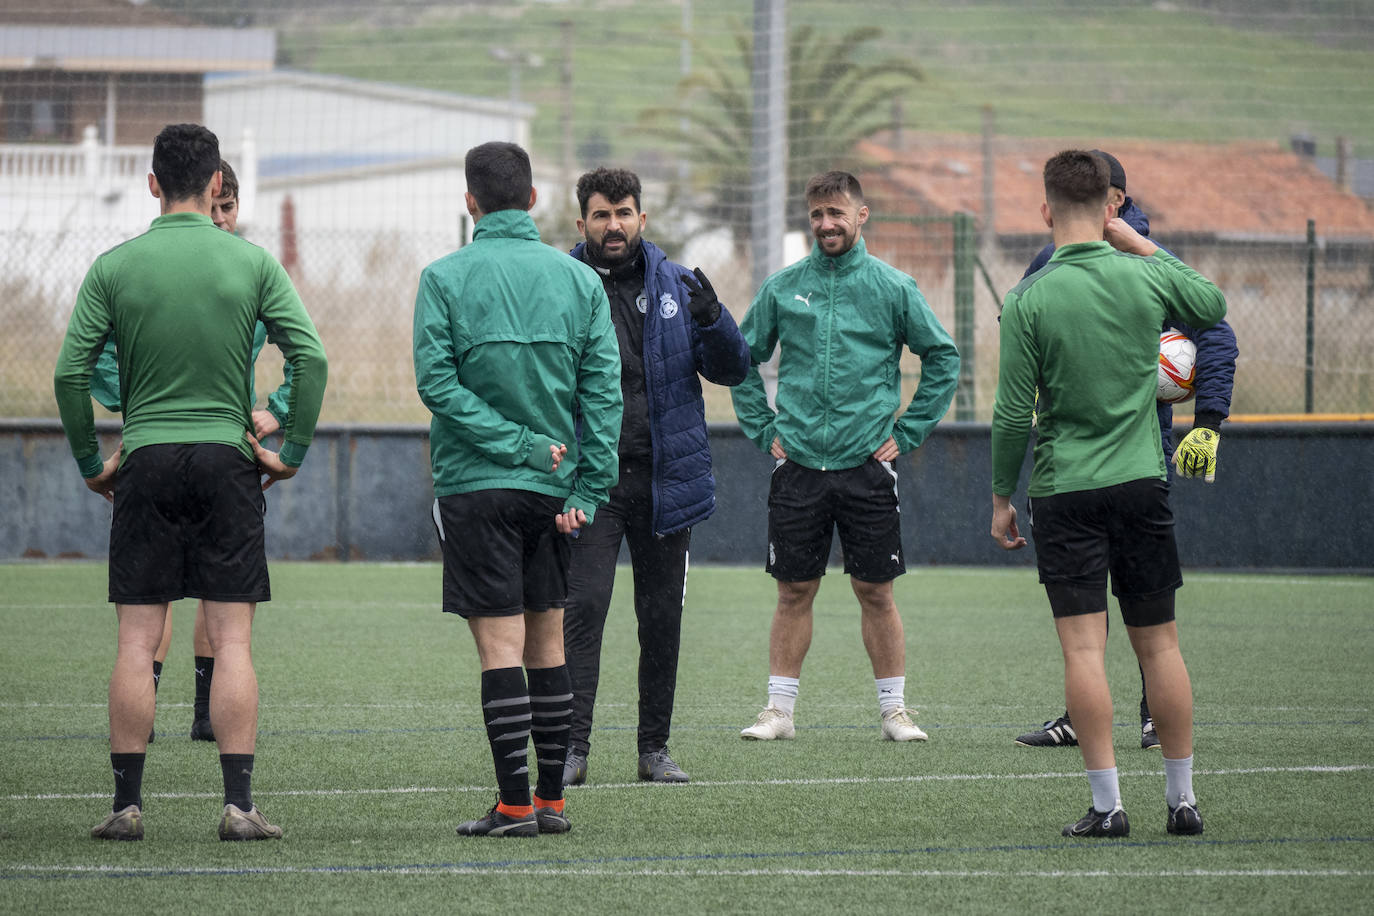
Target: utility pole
768	155
684	166
768	162
566	26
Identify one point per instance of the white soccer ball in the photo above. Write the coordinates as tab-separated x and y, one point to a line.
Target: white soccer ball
1177	367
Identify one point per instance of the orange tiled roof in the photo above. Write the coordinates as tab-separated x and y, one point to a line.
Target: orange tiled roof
1247	190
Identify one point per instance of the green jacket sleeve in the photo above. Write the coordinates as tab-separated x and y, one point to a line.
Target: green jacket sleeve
90	326
756	419
1015	400
1200	304
278	402
928	339
599	400
501	440
289	328
105	378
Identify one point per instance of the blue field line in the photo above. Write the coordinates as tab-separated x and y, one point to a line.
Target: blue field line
484	867
452	729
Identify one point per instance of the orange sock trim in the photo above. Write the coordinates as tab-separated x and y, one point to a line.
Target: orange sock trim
556	805
515	810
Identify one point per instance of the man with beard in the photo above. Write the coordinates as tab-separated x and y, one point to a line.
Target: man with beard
841	318
665	484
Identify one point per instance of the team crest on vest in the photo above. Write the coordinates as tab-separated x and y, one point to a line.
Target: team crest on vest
667	305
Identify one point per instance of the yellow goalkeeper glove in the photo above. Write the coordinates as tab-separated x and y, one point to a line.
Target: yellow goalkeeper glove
1196	455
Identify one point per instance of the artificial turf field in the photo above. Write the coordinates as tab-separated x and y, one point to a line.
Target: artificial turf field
371	750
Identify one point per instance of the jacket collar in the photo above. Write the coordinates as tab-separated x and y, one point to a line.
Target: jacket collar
506	224
846	262
182	218
650	253
1080	250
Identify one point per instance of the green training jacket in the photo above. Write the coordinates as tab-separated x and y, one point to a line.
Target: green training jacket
1084	331
183	300
842	323
513	344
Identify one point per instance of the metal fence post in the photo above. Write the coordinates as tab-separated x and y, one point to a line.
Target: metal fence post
1311	309
964	256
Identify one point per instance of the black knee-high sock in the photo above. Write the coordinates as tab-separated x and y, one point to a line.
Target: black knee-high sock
551	720
1144	706
205	670
506	711
128	778
238	780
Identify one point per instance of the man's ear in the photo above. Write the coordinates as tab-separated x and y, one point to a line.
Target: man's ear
216	184
473	210
1046	215
533	196
153	188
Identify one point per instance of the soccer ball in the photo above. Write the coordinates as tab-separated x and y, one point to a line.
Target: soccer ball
1177	367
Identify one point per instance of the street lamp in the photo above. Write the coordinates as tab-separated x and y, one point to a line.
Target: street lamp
516	59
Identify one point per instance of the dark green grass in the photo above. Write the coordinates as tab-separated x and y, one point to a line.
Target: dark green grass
371	751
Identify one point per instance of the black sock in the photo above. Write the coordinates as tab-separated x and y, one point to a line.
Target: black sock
238	780
506	712
205	670
550	725
128	777
157	676
1144	706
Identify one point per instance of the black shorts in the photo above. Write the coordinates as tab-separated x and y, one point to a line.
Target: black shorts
188	524
502	553
805	506
1126	529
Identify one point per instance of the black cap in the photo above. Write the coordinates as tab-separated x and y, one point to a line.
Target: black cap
1118	173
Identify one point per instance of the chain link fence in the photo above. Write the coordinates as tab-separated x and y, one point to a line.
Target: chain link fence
360	289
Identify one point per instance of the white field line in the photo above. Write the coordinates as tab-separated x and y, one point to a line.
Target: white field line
726	783
487	871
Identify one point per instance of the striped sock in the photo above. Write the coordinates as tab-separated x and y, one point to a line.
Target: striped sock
550	725
506	711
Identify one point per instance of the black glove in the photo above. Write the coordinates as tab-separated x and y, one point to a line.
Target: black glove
703	304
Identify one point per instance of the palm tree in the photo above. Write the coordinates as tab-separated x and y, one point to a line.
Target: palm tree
834	101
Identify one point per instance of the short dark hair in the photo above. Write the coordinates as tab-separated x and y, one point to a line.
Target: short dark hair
499	176
614	184
229	183
185	158
1076	178
830	184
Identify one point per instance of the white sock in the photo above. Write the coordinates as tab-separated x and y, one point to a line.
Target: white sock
1106	790
782	692
1178	781
891	693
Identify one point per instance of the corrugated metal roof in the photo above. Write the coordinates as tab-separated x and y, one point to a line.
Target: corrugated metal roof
122	49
